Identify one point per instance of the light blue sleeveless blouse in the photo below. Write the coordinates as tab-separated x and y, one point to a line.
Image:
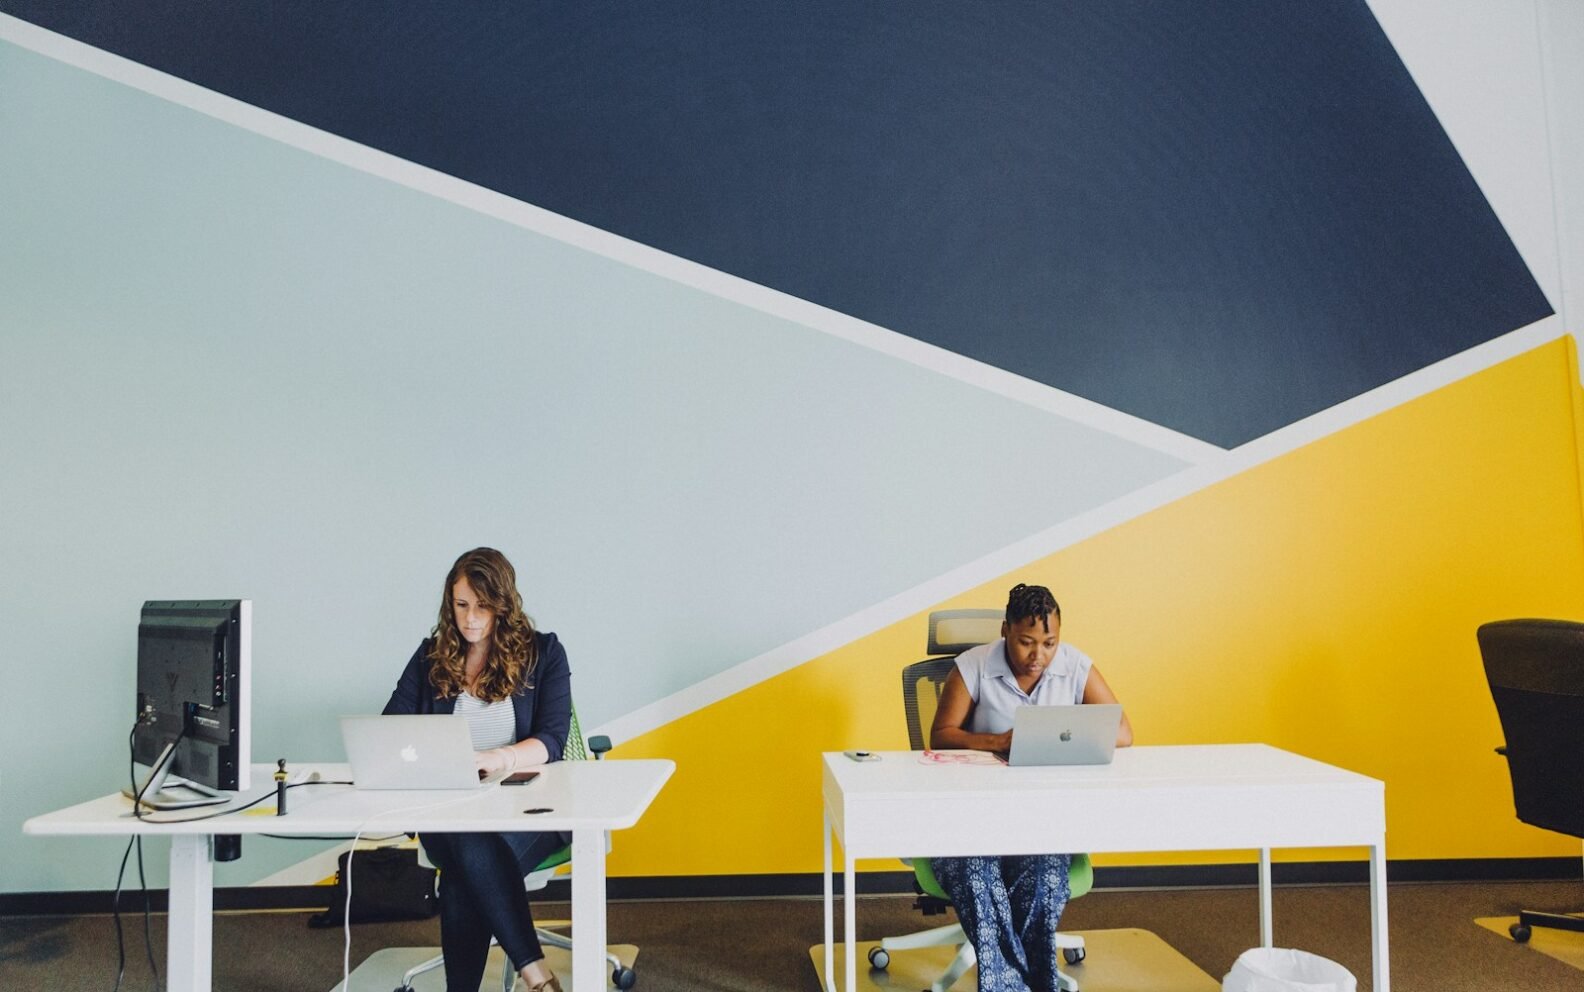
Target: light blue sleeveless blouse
995	691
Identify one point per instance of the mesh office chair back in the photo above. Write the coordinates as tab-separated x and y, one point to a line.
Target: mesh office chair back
575	749
921	688
951	632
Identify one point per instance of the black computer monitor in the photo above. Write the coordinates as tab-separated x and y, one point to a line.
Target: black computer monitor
194	662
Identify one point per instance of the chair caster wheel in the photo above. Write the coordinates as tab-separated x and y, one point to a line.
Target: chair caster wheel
624	978
879	958
1074	955
1520	933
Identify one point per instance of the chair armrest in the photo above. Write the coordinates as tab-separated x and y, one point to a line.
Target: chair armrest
598	745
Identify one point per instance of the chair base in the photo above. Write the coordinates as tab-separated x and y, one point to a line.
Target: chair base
1529	918
1071	945
622	976
1123	960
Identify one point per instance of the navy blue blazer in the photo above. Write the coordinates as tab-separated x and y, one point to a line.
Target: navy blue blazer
543	706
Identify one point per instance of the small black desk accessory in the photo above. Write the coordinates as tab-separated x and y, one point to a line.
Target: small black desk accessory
280	787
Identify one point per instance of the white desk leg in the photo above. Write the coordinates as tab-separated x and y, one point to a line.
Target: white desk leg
1267	938
850	907
830	913
189	941
1379	963
588	911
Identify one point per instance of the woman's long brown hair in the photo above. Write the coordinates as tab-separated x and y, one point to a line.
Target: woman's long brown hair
512	656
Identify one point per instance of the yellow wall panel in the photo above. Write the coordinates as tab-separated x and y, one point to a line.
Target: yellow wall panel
1324	602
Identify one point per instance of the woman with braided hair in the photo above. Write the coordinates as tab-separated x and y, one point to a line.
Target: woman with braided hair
485	660
1009	906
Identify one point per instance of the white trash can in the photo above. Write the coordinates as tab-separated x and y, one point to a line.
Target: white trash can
1281	969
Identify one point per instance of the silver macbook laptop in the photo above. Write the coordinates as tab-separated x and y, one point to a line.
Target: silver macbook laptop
1065	735
429	751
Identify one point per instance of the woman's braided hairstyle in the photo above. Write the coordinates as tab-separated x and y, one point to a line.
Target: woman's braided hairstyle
1026	601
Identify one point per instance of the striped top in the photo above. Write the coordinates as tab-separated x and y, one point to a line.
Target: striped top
489	724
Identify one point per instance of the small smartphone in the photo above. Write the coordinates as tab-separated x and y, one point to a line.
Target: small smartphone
521	778
862	755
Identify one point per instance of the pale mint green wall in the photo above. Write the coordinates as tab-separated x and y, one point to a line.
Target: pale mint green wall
231	368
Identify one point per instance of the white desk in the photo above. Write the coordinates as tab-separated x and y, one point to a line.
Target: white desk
588	798
1198	798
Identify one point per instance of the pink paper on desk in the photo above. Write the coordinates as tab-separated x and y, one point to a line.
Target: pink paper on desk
959	757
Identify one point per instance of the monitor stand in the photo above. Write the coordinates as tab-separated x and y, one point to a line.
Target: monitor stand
163	791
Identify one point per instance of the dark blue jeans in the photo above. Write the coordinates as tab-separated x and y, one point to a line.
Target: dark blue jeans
481	893
1009	907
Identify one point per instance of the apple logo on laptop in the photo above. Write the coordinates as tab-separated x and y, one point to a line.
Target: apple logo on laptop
1066	735
409	753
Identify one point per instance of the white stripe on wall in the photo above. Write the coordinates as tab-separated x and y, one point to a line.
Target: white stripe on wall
1069	532
603	243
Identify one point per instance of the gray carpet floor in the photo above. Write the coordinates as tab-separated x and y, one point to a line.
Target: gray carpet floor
762	944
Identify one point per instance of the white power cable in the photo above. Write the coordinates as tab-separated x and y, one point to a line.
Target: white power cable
346	911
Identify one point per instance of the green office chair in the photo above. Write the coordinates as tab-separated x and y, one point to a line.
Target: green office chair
623	977
951	632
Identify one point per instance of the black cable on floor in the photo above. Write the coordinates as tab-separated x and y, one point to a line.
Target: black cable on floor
148	941
115	900
137	841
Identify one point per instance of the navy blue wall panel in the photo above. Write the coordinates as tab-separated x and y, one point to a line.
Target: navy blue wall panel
1219	216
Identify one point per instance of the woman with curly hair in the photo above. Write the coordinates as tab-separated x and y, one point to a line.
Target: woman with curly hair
485	661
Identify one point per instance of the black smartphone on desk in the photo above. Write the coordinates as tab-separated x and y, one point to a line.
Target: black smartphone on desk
521	778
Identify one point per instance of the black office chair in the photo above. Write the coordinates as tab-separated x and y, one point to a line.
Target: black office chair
1536	674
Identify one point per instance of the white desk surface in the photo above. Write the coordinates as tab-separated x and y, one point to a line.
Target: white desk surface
585	798
1178	798
1194	797
602	795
